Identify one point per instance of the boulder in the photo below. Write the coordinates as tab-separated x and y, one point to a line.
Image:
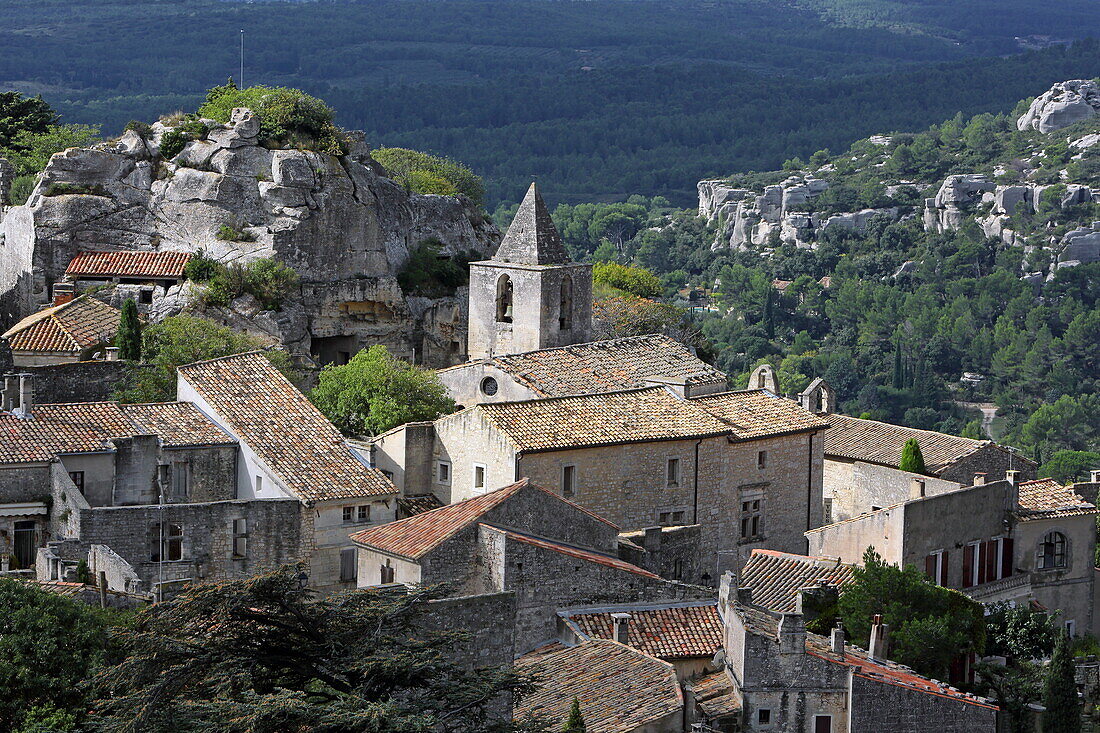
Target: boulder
1080	246
1061	106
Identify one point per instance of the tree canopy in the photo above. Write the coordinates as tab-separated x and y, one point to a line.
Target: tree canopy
1063	710
431	174
129	332
912	459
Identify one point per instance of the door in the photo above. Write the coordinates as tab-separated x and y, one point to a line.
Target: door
24	544
823	724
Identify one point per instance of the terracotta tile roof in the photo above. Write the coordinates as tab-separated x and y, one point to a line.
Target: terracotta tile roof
291	436
605	366
776	577
1046	498
177	423
165	265
411	504
620	689
715	694
70	327
612	418
60	429
667	631
578	553
758	413
879	442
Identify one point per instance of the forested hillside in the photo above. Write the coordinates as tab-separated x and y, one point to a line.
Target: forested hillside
598	99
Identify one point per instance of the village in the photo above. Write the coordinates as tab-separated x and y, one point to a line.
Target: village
608	515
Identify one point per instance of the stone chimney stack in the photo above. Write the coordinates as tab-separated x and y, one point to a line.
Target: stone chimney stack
9	398
836	639
880	640
979	479
1012	476
111	353
26	395
916	488
63	292
620	623
1094	476
1012	492
651	541
792	634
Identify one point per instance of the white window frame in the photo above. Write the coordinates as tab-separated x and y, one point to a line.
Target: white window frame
362	513
484	477
442	467
939	579
673	473
975	562
569	488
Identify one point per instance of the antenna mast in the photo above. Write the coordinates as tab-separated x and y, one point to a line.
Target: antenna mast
241	85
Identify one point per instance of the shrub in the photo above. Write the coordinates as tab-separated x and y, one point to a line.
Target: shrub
229	233
21	189
141	128
174	140
64	189
267	280
424	173
288	117
431	274
633	280
201	268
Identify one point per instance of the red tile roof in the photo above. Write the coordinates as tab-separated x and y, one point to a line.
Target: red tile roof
51	430
715	694
757	413
620	689
177	423
68	328
153	265
291	436
608	561
1046	498
776	577
673	630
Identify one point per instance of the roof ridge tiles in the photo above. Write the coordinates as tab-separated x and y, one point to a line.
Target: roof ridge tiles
221	358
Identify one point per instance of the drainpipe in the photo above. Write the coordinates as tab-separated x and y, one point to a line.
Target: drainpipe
695	482
809	489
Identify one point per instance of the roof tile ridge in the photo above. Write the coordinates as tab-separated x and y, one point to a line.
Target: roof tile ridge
558	398
202	362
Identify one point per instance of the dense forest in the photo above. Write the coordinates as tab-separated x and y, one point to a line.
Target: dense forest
597	99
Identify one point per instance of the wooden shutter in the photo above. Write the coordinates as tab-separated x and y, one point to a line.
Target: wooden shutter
968	566
1008	558
930	567
943	566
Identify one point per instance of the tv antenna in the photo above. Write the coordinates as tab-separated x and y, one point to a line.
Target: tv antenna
241	85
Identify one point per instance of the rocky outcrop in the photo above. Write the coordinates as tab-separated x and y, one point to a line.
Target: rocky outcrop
342	225
1062	105
1080	246
955	201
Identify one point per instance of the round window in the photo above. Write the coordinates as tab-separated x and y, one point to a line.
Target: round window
489	386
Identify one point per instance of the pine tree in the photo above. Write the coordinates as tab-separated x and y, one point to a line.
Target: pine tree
911	458
899	366
129	332
574	723
1062	714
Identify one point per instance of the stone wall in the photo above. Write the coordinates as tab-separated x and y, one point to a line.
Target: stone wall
82	381
849	539
856	487
884	708
23	482
671	552
1070	590
993	461
464	384
466	439
120	574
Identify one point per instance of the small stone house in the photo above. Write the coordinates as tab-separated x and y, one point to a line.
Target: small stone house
71	330
1001	541
143	276
862	459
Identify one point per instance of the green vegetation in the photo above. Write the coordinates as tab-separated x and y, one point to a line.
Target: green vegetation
425	173
431	274
929	625
180	340
189	129
636	281
575	722
1068	466
267	280
376	391
1063	711
128	338
68	189
288	117
1019	632
911	458
231	233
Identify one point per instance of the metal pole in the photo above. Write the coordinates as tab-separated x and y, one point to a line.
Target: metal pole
241	85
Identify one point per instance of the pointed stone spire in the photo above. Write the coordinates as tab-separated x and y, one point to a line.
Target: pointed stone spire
532	239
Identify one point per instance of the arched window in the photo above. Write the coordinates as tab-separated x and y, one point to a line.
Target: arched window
504	299
1052	551
565	306
761	380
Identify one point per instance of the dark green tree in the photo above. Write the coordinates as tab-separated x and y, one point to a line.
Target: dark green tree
1020	632
129	332
1063	711
283	660
911	458
19	114
899	366
575	722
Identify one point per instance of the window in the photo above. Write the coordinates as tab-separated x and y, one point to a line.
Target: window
666	519
479	477
672	473
678	569
489	386
349	514
181	480
1071	627
166	542
1052	551
764	716
504	299
259	484
677	517
145	296
78	480
362	513
823	724
240	538
761	459
935	567
387	573
343	357
387	474
987	560
565	306
568	480
347	565
443	472
752	517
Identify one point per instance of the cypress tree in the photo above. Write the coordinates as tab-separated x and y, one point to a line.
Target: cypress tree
911	458
899	366
1062	714
574	723
129	332
769	314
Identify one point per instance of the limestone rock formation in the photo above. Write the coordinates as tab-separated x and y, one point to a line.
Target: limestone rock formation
1062	105
1080	246
342	225
952	204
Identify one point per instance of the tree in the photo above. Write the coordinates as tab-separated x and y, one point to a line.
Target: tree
283	660
129	332
1067	466
48	645
911	458
627	315
930	625
1063	712
30	151
574	723
1019	632
19	114
633	280
180	340
376	391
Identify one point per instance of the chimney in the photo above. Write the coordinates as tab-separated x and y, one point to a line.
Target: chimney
836	639
26	395
792	634
112	353
9	396
63	292
652	540
880	634
1012	476
744	596
916	488
979	479
620	627
1094	476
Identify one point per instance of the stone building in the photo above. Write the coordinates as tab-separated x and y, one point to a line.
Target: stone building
143	276
1001	541
529	295
71	330
599	366
778	578
521	539
862	459
744	466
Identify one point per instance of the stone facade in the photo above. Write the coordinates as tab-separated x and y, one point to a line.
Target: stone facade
82	381
852	488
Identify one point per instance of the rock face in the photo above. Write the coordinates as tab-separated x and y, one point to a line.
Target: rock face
1080	246
1062	105
344	228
